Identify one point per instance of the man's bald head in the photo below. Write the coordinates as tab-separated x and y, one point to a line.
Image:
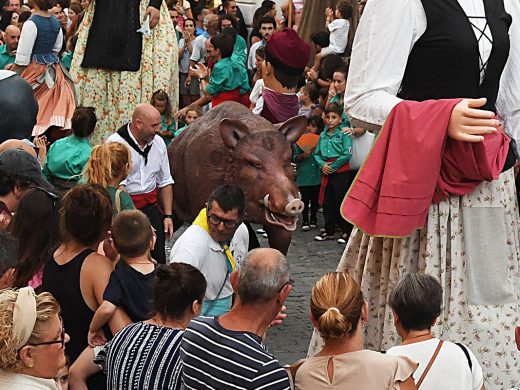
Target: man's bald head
146	123
17	144
12	36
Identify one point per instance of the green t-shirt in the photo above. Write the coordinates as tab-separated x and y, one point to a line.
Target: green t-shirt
178	132
308	172
167	130
227	75
336	145
126	200
66	60
67	158
5	57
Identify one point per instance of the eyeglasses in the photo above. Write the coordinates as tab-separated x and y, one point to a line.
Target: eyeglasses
228	223
290	281
60	341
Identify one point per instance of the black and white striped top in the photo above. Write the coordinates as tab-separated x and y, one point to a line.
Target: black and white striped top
217	358
143	356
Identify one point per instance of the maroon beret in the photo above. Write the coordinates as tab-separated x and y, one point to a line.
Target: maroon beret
286	48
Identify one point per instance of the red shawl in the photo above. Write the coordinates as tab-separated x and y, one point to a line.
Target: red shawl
413	163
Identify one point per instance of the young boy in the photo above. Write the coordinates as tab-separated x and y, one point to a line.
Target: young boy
194	112
131	282
332	154
309	94
338	31
308	172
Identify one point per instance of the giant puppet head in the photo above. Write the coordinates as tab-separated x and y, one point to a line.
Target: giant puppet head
18	107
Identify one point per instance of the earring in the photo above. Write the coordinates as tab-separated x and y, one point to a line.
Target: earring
30	365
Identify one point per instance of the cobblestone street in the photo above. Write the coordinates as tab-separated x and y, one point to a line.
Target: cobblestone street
308	260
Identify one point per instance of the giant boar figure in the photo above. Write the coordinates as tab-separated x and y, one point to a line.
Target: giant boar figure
232	145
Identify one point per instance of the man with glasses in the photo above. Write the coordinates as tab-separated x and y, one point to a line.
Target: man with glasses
216	244
227	352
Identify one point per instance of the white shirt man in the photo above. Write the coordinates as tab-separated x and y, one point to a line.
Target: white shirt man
149	182
204	244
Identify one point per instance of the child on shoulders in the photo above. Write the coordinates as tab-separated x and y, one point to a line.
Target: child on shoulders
339	28
131	283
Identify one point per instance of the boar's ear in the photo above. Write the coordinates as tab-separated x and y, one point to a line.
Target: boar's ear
293	128
231	130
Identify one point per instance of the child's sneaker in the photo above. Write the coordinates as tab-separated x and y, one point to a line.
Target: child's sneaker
323	237
305	227
313	225
343	238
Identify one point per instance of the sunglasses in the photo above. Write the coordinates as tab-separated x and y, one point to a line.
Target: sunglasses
60	341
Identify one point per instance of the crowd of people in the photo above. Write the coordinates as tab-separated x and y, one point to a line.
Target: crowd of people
430	274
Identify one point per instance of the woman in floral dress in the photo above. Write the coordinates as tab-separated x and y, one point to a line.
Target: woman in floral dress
115	67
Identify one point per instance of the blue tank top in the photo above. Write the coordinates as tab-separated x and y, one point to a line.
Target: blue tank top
48	30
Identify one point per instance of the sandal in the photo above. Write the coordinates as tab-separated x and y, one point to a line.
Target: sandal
343	238
323	237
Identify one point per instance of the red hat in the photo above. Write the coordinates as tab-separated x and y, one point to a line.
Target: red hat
288	50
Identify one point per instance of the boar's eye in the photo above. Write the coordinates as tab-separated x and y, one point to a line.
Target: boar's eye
257	163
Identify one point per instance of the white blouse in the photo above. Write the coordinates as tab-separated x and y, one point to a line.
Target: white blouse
26	43
382	46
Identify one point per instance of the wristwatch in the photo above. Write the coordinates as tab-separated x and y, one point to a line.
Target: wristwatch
168	216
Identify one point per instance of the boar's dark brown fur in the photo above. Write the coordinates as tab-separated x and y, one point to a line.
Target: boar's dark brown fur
232	145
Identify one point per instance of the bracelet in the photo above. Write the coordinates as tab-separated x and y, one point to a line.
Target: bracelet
168	216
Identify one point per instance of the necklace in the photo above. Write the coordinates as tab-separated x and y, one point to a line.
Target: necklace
407	340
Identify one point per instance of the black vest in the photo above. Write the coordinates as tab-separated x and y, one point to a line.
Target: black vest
444	62
113	41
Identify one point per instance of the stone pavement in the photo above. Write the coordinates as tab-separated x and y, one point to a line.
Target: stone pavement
308	260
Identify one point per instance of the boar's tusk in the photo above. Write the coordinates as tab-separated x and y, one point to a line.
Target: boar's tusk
266	201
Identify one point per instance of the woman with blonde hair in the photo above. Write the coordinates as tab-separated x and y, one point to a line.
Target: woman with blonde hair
108	166
338	312
32	340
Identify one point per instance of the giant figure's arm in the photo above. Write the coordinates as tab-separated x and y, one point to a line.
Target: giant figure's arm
384	39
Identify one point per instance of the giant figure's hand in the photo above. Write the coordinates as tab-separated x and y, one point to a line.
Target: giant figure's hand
468	123
154	16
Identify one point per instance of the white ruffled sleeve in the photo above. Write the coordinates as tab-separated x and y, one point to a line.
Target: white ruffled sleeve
384	39
26	43
508	101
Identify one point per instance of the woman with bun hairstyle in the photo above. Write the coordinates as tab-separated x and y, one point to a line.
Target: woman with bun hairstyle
149	349
32	340
338	312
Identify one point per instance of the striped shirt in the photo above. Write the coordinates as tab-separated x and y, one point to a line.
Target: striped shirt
142	356
217	358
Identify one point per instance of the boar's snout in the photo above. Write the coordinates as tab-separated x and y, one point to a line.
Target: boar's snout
294	207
